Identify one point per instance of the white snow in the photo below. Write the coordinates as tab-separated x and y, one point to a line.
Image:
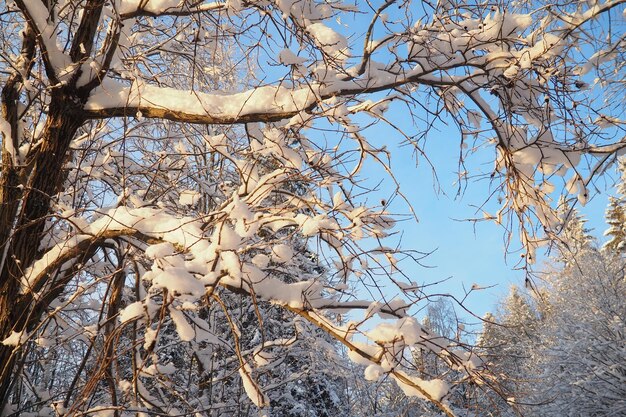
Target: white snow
243	217
282	253
160	250
51	257
16	338
435	388
261	260
287	57
131	311
183	328
39	16
7	141
222	107
149	337
182	231
125	385
165	6
176	280
311	226
371	350
153	6
189	198
44	342
373	372
406	329
250	386
330	41
226	238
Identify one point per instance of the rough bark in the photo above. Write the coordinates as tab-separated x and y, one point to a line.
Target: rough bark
30	213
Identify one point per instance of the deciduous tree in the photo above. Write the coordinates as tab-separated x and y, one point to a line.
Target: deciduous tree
140	186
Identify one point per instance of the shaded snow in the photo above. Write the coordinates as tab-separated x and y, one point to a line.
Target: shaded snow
15	338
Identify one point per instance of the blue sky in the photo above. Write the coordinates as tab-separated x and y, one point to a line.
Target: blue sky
465	252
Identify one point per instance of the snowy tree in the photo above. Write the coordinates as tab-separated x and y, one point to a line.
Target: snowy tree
580	359
574	237
616	217
507	344
161	158
492	402
559	347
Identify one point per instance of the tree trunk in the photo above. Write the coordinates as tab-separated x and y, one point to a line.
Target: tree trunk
26	219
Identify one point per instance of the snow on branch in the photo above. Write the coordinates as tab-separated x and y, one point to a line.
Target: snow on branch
188	264
141	100
129	9
56	61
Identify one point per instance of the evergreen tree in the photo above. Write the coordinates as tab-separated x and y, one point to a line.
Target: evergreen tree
616	220
574	236
616	215
507	343
581	357
561	351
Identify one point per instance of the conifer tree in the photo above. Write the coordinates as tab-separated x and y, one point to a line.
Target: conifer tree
580	358
616	215
508	344
615	219
560	350
574	236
